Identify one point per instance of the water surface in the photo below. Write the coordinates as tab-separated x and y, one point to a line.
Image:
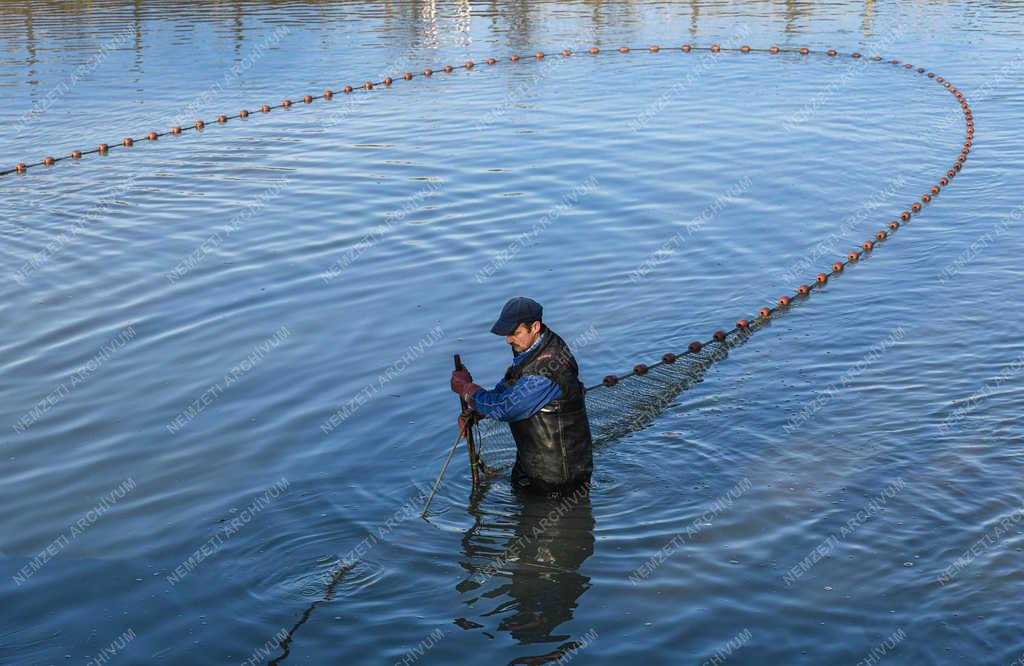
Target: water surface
183	319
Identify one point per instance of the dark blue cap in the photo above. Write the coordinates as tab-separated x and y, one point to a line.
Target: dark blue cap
518	310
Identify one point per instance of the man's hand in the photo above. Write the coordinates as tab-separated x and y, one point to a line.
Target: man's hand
466	419
461	380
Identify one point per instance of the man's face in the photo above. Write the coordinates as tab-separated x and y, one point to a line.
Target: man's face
524	336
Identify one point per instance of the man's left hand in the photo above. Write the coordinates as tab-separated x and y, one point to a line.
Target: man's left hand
461	381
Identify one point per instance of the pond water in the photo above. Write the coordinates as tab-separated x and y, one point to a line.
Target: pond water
225	354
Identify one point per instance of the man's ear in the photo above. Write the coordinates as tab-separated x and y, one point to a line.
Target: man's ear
535	327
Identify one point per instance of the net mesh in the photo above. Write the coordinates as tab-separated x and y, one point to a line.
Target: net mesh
624	404
627	405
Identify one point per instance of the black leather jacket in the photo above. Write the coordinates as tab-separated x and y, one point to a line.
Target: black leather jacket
554	449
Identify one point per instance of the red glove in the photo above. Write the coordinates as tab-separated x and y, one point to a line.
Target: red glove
461	381
467	419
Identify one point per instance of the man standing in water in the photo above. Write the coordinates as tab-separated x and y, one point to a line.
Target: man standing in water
541	398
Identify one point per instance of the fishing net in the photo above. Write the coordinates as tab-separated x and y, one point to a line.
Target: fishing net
623	404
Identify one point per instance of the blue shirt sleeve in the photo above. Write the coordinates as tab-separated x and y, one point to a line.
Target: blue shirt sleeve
519	401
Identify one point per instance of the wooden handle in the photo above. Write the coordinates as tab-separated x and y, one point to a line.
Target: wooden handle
470	444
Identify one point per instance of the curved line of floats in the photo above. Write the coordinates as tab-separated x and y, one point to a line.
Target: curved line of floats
743	327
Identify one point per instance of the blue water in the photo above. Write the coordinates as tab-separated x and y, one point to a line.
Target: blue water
183	318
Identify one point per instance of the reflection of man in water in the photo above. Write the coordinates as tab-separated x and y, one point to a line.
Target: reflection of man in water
541	398
534	576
